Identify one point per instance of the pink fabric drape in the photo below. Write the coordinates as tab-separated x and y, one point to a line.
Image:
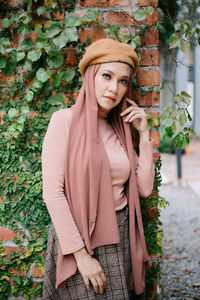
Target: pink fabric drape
88	184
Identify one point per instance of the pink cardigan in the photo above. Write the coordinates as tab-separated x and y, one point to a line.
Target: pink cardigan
53	161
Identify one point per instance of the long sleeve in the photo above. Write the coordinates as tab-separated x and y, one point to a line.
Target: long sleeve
145	168
53	163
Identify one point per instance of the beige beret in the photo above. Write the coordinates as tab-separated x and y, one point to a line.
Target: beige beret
108	50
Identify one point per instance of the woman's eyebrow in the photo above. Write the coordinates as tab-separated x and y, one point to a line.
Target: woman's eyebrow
124	76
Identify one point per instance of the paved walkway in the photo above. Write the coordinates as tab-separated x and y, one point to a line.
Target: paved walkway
181	225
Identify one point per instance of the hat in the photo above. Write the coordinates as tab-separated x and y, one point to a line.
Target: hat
108	50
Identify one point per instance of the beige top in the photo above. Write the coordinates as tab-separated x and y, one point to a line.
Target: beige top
53	163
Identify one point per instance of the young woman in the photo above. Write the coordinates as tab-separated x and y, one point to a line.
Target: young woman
92	180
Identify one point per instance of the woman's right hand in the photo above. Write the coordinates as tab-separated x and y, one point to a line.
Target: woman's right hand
90	270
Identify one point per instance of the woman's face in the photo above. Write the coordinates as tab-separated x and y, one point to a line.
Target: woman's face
111	83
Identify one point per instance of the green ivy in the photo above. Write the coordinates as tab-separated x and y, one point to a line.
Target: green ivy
41	80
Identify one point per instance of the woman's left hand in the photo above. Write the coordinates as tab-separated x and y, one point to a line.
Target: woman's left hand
137	116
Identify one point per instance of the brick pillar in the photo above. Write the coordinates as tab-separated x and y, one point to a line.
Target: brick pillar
118	12
114	12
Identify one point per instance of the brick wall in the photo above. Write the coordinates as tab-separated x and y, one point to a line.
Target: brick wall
114	12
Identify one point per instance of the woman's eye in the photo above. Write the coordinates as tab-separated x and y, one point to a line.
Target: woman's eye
124	81
106	76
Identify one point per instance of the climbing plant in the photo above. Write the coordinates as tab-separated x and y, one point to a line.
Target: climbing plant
40	79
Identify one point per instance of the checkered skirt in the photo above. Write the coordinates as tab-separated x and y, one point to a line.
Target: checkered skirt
114	259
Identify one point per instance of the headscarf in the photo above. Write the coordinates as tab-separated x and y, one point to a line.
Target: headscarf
88	183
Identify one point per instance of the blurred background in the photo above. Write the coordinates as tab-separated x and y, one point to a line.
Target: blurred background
180	71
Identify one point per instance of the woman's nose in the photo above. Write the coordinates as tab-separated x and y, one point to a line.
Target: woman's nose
113	86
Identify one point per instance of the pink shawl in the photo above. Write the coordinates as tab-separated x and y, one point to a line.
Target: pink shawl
88	185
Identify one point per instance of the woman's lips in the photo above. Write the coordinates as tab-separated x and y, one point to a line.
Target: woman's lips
110	99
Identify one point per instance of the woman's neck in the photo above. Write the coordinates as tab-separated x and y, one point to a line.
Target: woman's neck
102	113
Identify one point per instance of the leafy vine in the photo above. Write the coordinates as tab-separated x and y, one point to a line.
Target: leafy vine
41	79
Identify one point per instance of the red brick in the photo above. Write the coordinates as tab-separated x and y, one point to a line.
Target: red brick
31	35
156	156
123	18
70	57
13	3
7	234
154	116
150	19
1	117
118	18
150	38
149	99
20	272
93	34
36	272
15	42
147	3
104	3
149	57
9	249
148	77
155	135
58	16
81	14
8	78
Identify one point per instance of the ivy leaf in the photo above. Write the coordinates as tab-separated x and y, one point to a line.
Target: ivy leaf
139	15
91	15
5	41
26	65
3	61
7	22
51	111
180	141
43	75
2	49
174	40
113	30
34	55
25	108
176	127
29	96
41	10
56	99
21	119
133	44
67	74
72	20
55	61
52	50
41	41
12	113
53	29
56	80
38	28
27	44
177	26
9	67
126	38
17	55
185	46
29	4
68	35
169	131
20	127
23	29
149	10
37	83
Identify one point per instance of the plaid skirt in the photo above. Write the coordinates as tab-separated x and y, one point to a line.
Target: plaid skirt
114	259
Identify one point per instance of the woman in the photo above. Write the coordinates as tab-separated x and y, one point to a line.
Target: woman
92	179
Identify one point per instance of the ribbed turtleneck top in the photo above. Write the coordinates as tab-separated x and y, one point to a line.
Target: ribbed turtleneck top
119	162
53	164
